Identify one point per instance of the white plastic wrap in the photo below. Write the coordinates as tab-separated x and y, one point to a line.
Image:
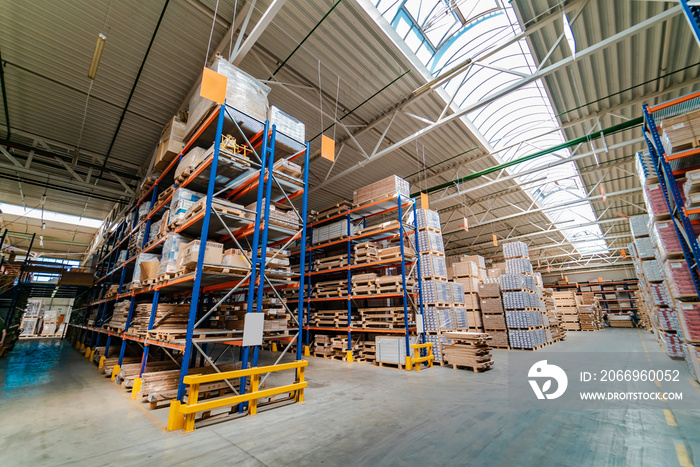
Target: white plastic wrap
192	159
287	125
243	92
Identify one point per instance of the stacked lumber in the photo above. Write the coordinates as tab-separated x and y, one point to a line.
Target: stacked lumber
565	303
326	289
111	361
339	347
394	252
119	316
130	371
467	350
366	252
162	381
112	291
385	318
331	262
555	323
590	318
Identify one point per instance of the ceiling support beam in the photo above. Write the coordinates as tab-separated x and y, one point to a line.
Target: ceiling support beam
670	13
257	31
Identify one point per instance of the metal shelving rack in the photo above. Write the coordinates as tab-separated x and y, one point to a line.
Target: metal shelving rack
257	181
402	207
667	167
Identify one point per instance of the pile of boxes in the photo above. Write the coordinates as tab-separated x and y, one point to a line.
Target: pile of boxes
386	188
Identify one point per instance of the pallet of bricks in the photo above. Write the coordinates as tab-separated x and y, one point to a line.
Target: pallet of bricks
526	313
667	281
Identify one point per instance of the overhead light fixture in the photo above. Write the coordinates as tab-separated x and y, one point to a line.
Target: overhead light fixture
569	34
41	240
97	55
43	226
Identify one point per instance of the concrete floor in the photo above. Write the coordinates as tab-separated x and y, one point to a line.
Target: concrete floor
56	410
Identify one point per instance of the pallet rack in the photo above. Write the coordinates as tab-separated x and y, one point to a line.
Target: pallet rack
668	167
255	180
401	207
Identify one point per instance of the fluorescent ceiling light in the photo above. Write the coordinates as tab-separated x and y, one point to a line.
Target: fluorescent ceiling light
569	34
50	216
96	56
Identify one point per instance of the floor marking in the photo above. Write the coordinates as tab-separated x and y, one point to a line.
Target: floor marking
658	384
683	458
670	419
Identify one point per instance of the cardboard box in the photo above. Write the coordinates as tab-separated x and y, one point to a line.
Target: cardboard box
171	143
471	301
470	284
149	270
188	254
489	290
236	258
465	269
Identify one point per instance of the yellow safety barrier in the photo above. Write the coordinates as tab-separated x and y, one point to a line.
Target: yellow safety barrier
417	360
102	362
115	371
136	388
183	415
87	352
307	352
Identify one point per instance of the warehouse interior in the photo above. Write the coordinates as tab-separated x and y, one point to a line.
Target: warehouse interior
408	208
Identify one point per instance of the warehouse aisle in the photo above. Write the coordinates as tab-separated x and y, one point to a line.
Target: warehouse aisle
353	414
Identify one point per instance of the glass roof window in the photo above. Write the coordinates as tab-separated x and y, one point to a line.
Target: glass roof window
444	34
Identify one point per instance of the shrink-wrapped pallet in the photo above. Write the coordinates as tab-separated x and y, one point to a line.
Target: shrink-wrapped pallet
243	92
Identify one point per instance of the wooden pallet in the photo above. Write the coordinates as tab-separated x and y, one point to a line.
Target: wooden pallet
166	277
399	366
476	369
214	269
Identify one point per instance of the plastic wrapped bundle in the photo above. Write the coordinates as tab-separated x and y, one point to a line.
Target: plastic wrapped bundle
432	266
190	161
668	320
437	342
171	247
181	201
523	319
461	318
436	291
652	269
437	319
639	225
644	247
144	209
672	344
457	293
426	218
526	339
386	188
645	167
518	266
154	230
680	279
515	250
243	92
122	256
142	257
655	200
660	295
430	241
287	125
689	321
512	282
692	182
518	300
667	240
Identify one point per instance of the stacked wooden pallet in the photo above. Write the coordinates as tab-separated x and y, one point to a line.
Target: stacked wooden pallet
368	352
327	289
169	317
331	262
468	350
130	371
330	211
385	318
366	252
322	345
331	318
165	382
394	284
364	284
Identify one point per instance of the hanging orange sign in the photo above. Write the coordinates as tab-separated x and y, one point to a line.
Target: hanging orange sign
213	86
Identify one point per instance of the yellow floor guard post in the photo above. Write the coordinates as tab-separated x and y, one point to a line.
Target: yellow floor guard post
417	360
192	398
102	362
136	388
300	379
274	344
254	387
409	364
115	371
349	356
176	421
87	352
307	353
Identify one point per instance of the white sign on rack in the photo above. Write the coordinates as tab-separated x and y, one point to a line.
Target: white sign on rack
253	329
